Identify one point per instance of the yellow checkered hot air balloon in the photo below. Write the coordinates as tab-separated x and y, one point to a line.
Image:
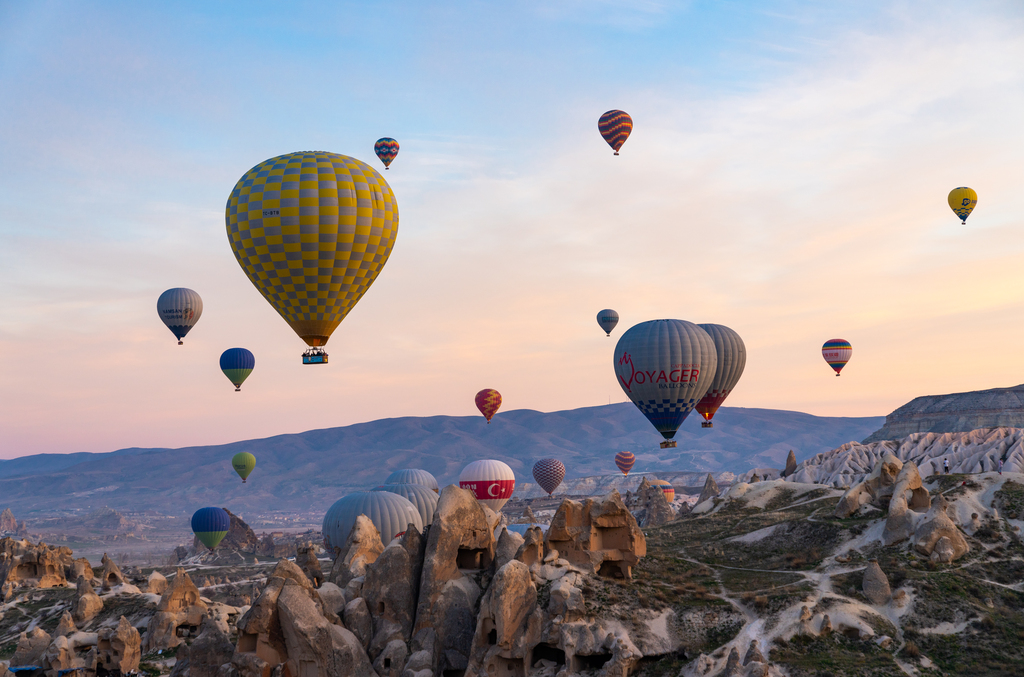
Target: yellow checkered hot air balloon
312	230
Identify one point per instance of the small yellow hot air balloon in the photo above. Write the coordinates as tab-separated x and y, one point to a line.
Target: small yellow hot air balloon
962	201
312	230
243	462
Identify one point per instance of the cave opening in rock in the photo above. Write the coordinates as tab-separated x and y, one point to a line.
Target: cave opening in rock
611	570
499	666
453	673
387	663
247	642
473	558
548	652
492	637
593	661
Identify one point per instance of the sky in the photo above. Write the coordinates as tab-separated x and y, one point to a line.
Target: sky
786	176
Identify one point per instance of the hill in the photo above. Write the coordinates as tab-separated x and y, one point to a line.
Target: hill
308	471
954	413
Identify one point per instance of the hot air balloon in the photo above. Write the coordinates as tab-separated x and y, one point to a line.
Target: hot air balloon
180	309
666	488
211	525
837	353
665	367
732	357
312	230
390	513
413	476
243	462
549	473
423	498
387	150
237	364
488	401
615	126
492	482
962	201
624	460
608	318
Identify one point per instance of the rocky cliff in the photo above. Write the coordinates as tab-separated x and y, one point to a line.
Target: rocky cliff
957	412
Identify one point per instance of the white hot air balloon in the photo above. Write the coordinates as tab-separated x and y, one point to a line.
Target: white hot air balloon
492	482
413	476
424	498
390	513
665	367
180	309
608	318
732	358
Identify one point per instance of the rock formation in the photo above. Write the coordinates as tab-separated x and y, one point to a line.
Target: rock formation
79	567
210	650
876	584
391	588
111	574
600	536
86	603
710	490
460	544
362	547
240	537
26	564
179	607
119	649
954	413
306	559
903	514
31	647
156	584
7	521
938	537
790	464
66	626
976	451
654	509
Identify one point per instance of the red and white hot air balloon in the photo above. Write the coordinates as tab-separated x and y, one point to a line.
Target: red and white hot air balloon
492	482
487	401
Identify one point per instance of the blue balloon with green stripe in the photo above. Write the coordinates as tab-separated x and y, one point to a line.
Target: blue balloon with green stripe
237	364
211	525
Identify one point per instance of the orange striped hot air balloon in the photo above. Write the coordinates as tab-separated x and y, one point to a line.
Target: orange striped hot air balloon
488	401
625	460
615	126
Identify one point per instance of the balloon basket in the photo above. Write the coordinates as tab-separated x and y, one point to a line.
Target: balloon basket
238	390
668	444
181	343
314	356
707	424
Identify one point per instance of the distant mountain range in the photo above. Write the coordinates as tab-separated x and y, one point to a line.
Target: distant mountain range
309	471
955	413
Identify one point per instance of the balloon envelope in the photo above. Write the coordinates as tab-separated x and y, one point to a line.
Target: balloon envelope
237	364
312	230
180	309
837	353
390	513
211	525
624	461
666	488
549	473
732	358
665	367
413	476
615	126
488	401
608	318
962	201
386	149
243	462
492	482
423	498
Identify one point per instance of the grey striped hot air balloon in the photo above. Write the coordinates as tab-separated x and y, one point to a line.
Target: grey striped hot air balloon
413	476
732	357
390	513
420	496
180	309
